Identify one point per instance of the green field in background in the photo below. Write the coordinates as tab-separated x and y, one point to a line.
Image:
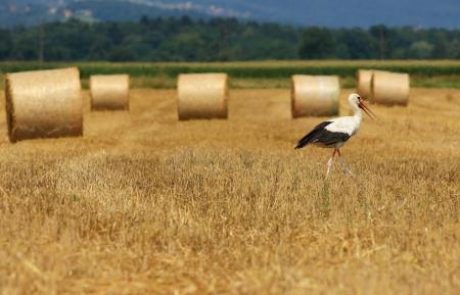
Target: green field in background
268	74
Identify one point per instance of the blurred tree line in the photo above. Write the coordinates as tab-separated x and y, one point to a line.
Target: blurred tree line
186	39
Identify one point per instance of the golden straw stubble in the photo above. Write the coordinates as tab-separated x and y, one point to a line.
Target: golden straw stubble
109	92
390	88
44	104
202	96
314	95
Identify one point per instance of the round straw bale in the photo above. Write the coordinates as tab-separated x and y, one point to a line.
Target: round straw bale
202	96
363	82
44	104
314	95
390	88
109	92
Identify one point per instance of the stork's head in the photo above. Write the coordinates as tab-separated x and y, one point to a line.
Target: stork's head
355	100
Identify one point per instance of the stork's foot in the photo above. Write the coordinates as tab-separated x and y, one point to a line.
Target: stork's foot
346	169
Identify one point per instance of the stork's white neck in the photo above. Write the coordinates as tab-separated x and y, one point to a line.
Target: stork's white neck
355	120
356	110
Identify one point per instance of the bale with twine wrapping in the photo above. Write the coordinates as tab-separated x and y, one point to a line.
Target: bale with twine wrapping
109	92
390	88
314	95
202	96
363	83
44	104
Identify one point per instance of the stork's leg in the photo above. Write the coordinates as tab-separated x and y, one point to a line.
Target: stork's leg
330	163
344	165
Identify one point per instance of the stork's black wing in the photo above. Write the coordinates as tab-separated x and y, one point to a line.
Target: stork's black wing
327	138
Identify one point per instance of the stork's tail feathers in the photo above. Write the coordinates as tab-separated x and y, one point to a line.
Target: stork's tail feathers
305	140
312	135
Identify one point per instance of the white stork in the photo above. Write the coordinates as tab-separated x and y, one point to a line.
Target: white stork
335	133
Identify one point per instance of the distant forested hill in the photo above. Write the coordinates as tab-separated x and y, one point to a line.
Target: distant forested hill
220	39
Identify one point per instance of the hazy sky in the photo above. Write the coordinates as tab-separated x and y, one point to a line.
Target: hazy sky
335	13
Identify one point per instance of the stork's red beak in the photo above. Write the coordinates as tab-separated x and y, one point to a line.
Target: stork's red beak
362	105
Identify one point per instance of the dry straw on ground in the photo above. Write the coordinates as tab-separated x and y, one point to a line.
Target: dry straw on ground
390	88
314	95
202	96
44	104
109	92
363	83
144	205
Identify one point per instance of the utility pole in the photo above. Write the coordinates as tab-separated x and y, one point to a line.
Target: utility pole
382	44
41	42
223	42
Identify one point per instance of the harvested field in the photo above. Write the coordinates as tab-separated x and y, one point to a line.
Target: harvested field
144	203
